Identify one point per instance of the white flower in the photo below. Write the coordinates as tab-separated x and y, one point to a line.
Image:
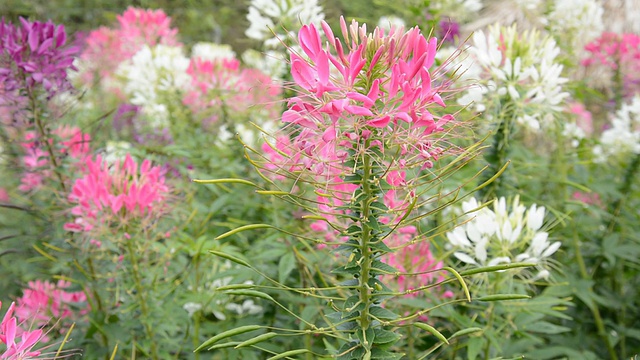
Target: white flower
272	63
623	137
577	22
522	66
116	151
267	17
247	307
152	77
491	237
390	22
191	308
212	51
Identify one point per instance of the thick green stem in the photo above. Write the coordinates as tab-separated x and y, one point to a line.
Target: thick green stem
366	259
498	153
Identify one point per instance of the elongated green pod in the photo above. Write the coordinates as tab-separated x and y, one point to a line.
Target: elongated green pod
235	287
226	334
257	339
230	258
289	353
225	345
500	297
225	181
252	293
464	332
432	330
272	192
460	280
493	177
486	269
244	228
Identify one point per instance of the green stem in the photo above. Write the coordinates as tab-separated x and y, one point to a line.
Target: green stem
44	138
498	153
366	259
594	308
140	291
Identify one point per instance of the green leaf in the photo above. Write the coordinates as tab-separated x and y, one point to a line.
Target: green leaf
378	267
474	347
380	354
386	337
545	327
285	266
382	313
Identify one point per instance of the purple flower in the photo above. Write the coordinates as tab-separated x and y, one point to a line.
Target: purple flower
34	54
449	30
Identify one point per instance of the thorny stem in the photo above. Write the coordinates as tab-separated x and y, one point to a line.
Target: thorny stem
366	259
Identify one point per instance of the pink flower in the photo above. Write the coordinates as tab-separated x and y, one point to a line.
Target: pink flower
106	48
583	117
413	258
377	85
112	195
19	344
618	52
44	303
222	86
67	142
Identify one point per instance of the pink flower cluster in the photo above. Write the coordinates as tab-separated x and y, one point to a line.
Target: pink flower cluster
68	142
43	302
33	54
618	52
115	194
106	48
221	82
19	344
378	86
413	258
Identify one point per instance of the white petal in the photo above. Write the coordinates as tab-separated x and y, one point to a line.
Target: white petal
465	258
551	249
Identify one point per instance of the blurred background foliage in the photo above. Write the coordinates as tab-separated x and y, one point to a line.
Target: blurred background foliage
220	21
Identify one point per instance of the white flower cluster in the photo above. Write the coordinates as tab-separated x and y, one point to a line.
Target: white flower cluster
389	22
577	22
623	137
520	68
492	237
212	51
153	76
267	17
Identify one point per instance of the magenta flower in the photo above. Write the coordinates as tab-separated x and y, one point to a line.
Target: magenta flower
19	344
111	195
43	301
107	47
413	258
221	85
377	86
34	54
69	142
619	53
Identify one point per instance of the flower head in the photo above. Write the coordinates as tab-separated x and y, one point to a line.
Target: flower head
109	195
19	344
502	236
34	54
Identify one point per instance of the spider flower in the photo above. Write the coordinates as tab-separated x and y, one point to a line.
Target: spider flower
374	94
622	139
19	344
520	68
107	47
33	55
110	195
502	236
